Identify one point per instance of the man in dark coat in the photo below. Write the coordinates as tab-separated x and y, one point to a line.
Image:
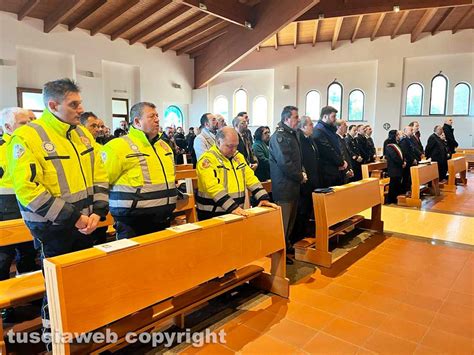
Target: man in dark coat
436	150
371	151
262	153
415	139
449	133
355	154
310	155
361	141
395	165
330	155
409	156
348	173
286	170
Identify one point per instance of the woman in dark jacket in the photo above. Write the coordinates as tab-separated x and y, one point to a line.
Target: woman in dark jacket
395	164
260	150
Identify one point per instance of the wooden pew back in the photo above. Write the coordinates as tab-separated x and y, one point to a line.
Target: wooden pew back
422	174
368	168
162	265
180	167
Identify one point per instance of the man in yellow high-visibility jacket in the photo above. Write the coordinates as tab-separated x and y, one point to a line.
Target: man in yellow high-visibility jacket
59	180
142	176
223	177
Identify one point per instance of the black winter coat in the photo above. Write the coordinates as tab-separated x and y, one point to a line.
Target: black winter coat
394	161
408	151
436	150
451	141
310	155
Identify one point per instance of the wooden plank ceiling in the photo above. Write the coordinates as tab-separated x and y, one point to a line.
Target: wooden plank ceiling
211	30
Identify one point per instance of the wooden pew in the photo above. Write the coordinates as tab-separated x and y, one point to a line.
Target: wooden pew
456	166
376	169
190	178
180	167
421	175
172	274
468	154
335	213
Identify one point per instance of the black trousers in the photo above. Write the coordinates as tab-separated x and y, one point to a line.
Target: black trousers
406	180
303	227
394	189
24	254
140	225
289	210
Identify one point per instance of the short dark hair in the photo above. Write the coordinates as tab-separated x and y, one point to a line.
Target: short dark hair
286	113
85	116
351	126
359	125
204	119
58	89
137	109
327	110
242	114
411	124
259	132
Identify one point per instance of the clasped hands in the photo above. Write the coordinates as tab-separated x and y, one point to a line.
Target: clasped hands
87	224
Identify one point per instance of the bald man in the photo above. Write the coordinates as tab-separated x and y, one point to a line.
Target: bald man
223	177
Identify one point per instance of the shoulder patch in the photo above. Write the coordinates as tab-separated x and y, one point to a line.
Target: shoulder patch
165	146
48	147
18	151
103	156
205	163
279	139
85	140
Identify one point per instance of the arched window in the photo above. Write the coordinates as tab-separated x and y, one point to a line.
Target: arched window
313	104
240	101
260	111
335	97
221	107
462	99
439	90
414	100
356	105
173	117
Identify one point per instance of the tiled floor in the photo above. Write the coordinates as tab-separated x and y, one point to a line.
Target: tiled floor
403	297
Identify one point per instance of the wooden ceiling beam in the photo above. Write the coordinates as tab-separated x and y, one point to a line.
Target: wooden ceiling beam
202	41
400	22
269	16
377	26
86	13
179	27
61	13
190	35
335	34
119	12
441	21
140	18
463	19
337	8
356	29
295	39
157	24
27	8
421	25
229	10
315	33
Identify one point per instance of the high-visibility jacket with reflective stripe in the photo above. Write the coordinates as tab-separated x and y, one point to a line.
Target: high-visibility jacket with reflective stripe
58	173
222	182
6	184
141	174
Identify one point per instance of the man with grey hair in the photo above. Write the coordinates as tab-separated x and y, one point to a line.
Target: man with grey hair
449	134
245	145
341	132
25	253
409	155
223	178
438	151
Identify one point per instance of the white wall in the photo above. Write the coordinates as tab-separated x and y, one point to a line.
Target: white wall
367	64
33	57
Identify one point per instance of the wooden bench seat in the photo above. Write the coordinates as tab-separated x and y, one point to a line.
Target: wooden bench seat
421	175
456	166
336	213
377	170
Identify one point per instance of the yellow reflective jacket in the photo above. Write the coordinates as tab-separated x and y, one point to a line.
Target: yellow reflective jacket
6	184
222	182
141	174
57	172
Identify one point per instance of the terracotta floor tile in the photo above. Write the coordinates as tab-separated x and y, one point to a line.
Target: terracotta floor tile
260	321
293	333
456	311
378	303
268	345
464	285
403	329
463	327
240	335
447	342
387	291
346	330
318	282
414	314
310	317
324	343
362	315
424	350
354	282
329	304
273	304
208	349
342	292
461	299
383	343
423	301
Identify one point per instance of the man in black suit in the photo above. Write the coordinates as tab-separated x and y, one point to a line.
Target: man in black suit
348	173
409	156
415	139
395	165
449	133
371	151
355	154
330	156
361	141
437	150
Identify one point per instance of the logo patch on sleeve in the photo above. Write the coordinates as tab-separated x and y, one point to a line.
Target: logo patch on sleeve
18	151
48	147
86	141
103	156
205	163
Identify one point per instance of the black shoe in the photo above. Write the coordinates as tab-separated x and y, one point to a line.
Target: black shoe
289	261
290	250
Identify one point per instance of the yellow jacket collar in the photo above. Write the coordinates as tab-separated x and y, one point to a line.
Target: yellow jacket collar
55	123
139	135
222	156
6	137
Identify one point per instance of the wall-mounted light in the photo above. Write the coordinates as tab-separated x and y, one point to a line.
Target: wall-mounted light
248	24
396	8
202	6
321	17
120	91
390	85
285	87
176	86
